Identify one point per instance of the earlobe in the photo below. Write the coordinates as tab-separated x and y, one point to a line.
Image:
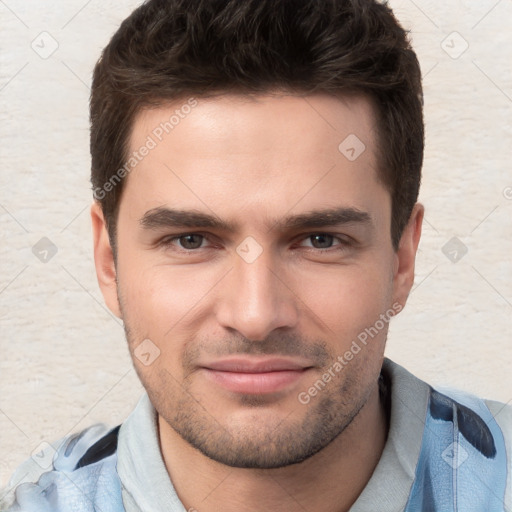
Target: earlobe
406	255
104	260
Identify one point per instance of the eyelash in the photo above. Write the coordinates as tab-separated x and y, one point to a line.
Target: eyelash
343	244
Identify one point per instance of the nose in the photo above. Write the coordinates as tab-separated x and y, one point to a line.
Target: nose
256	298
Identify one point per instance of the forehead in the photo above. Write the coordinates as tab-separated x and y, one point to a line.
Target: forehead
281	152
303	122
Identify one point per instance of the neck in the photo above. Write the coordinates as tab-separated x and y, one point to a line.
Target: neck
331	480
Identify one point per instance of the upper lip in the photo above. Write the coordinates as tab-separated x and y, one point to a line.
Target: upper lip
256	365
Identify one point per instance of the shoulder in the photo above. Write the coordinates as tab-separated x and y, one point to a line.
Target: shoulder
482	422
465	456
65	472
502	413
461	448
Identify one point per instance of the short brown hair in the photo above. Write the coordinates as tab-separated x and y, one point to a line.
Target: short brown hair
171	49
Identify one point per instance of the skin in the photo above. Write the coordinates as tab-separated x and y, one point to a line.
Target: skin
252	162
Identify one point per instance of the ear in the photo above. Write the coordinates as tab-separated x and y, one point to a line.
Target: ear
403	277
104	260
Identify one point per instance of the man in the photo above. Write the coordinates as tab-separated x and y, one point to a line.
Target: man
255	167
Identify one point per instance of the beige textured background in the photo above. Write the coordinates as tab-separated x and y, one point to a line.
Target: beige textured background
64	364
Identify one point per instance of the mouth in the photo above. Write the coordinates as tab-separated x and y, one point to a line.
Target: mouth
256	375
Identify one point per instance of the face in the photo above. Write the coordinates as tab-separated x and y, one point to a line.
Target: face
254	260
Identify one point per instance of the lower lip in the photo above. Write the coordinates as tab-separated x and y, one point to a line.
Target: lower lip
256	383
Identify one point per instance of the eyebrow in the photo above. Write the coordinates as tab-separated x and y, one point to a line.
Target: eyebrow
166	217
324	218
163	217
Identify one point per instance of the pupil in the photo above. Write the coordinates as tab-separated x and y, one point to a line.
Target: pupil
321	241
188	242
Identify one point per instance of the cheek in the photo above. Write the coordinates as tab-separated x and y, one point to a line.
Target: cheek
160	299
158	304
348	299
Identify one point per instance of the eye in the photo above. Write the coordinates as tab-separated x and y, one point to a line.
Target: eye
188	241
192	241
323	241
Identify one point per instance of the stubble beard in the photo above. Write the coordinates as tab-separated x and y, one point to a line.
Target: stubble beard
303	432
